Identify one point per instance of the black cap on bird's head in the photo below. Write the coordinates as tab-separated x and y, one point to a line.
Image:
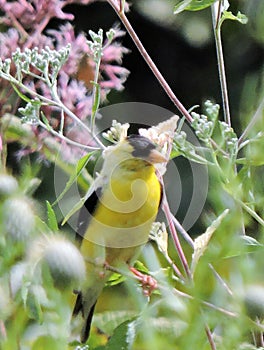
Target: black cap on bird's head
145	149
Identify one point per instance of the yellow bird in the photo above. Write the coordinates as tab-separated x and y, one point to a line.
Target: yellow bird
116	219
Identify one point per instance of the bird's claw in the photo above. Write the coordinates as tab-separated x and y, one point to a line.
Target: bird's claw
148	283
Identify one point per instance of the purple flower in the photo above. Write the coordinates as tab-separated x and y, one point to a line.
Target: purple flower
114	75
73	94
9	41
27	21
79	48
30	14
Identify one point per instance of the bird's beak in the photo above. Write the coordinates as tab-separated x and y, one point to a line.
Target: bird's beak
156	157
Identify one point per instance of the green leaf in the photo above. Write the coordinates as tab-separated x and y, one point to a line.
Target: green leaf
75	208
44	342
192	5
45	120
96	102
245	246
240	17
141	267
52	220
80	165
33	306
115	279
202	241
185	148
123	337
181	6
20	94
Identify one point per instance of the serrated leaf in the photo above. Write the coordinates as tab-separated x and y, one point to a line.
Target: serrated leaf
201	242
52	220
80	166
192	5
123	336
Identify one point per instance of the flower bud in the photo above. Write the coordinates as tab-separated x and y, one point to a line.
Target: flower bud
64	260
18	218
17	275
8	185
254	301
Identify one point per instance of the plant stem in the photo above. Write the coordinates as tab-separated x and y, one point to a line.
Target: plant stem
168	214
182	231
251	212
253	120
216	14
64	138
210	337
149	61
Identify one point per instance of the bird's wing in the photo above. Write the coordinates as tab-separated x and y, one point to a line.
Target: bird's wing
86	213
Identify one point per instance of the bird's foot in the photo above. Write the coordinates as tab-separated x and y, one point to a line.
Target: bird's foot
148	283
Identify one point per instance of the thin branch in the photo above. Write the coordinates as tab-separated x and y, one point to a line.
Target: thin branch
210	337
205	303
182	231
216	14
251	212
65	139
220	280
167	212
149	61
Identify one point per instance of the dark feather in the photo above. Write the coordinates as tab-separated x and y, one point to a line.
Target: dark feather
78	307
86	213
87	325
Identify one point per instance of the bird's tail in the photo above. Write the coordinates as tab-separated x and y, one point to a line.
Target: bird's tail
85	304
85	332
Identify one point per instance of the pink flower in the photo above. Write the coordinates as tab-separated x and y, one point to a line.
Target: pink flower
74	95
29	14
27	21
65	35
9	41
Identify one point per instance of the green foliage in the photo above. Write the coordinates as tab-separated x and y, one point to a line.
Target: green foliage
52	221
192	5
122	338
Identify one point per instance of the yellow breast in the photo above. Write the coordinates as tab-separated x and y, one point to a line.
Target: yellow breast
127	208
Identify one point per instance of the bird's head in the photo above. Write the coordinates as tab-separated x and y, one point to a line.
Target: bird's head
134	147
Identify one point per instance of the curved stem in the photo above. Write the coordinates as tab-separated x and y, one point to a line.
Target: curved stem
149	61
